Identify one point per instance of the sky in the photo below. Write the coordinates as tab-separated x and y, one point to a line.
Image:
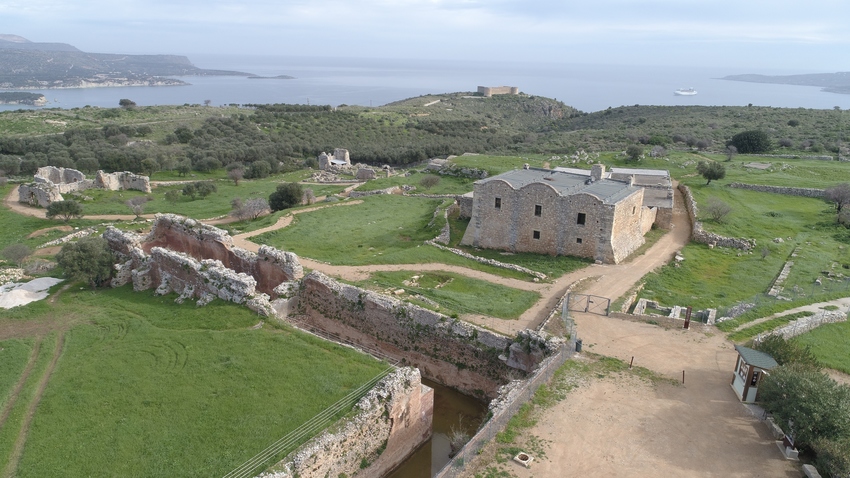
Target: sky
751	35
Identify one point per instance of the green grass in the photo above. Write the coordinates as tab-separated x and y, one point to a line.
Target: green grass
147	387
14	354
447	185
829	344
766	326
17	415
458	294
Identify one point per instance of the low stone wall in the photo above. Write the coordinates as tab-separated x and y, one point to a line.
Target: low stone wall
805	324
394	418
704	237
804	192
360	194
469	358
491	262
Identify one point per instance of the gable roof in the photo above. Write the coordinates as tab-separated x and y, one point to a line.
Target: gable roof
756	358
608	191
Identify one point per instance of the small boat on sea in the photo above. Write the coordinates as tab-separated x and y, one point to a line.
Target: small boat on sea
685	92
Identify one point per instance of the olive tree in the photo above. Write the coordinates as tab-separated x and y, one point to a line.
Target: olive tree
88	260
711	170
66	210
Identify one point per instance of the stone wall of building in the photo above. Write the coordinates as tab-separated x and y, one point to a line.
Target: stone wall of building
805	192
498	90
704	237
469	358
465	204
610	232
49	183
393	419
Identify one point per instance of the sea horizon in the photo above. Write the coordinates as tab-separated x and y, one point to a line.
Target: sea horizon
376	82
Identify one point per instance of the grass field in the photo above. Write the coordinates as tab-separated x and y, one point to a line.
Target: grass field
829	344
14	354
447	184
147	387
457	294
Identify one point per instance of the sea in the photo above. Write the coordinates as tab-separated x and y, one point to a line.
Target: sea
376	82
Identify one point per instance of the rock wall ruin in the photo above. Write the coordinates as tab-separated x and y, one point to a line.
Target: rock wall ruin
804	192
469	358
50	183
200	262
394	418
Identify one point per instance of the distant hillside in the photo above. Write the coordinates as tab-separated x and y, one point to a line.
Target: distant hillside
58	65
831	82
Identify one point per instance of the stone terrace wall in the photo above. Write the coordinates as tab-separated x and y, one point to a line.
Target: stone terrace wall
394	419
463	356
704	237
805	192
270	267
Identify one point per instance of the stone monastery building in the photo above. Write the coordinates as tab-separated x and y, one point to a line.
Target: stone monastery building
568	211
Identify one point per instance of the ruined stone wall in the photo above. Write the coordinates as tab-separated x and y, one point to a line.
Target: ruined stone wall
704	237
393	419
270	267
664	217
465	203
58	175
805	192
38	194
609	233
122	180
463	356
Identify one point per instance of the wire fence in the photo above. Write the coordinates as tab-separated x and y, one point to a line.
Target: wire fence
322	420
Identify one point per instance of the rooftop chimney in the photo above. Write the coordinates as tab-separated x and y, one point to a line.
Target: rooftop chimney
597	172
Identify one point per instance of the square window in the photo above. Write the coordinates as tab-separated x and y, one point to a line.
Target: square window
538	210
498	203
582	218
536	234
578	240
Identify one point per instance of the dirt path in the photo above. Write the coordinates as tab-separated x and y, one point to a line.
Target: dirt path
620	426
18	449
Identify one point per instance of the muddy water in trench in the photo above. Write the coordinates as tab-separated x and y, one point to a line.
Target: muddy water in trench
451	409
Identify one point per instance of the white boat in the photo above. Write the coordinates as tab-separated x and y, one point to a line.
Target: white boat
685	92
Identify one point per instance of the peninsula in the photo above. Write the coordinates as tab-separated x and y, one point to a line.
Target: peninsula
30	65
830	82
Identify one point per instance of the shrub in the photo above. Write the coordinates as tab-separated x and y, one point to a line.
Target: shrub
66	210
285	196
717	209
88	260
751	142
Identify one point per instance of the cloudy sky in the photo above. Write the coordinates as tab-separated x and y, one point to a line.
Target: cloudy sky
809	35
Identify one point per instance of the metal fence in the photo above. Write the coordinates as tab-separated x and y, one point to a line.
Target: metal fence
322	420
499	421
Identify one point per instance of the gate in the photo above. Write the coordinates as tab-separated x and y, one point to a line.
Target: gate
593	304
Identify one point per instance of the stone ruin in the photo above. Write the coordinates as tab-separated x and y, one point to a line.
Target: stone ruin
50	183
339	159
200	262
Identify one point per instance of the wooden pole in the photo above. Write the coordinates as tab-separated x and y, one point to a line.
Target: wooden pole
683	376
633	361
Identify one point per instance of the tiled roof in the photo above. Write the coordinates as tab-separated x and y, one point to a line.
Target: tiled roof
566	183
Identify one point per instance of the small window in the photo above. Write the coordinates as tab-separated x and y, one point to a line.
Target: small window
498	203
578	240
535	234
582	218
538	210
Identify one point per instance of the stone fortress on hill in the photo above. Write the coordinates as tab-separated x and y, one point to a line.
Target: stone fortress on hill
595	214
497	90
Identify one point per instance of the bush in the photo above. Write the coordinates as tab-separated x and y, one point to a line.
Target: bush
66	210
787	352
16	253
429	181
89	260
717	209
634	152
285	196
751	142
711	170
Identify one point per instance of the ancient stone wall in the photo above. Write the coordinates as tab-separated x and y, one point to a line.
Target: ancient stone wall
122	181
465	203
38	194
536	218
704	237
460	355
393	419
270	267
805	192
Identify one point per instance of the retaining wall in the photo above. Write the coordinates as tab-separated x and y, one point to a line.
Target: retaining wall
394	418
469	358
